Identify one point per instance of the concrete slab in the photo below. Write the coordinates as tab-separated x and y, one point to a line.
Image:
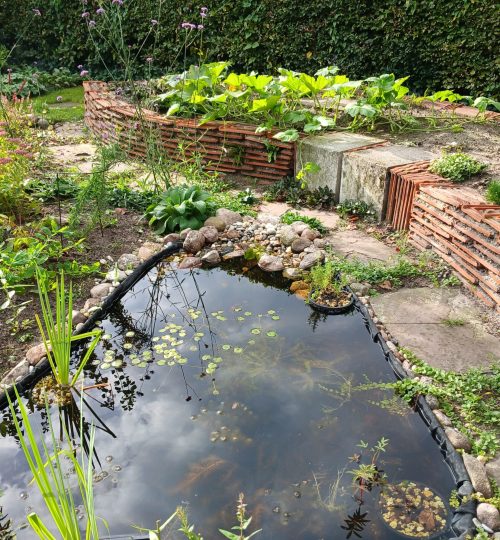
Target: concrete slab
356	244
327	151
364	172
416	317
329	219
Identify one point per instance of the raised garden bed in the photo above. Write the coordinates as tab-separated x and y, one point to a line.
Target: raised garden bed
227	147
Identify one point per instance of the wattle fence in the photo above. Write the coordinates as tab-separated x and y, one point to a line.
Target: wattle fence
227	147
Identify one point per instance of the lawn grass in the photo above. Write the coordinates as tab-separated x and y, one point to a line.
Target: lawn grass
58	111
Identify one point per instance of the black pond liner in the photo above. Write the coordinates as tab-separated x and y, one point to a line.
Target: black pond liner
322	308
461	520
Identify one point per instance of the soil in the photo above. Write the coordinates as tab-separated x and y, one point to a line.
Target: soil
333	300
480	140
124	236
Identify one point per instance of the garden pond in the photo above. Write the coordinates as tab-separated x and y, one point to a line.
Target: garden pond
208	383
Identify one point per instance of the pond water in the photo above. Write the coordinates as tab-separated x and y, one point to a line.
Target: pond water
220	384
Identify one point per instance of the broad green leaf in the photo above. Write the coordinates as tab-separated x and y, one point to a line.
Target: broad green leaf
290	135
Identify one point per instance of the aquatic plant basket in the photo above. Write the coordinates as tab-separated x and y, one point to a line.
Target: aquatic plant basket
322	308
226	147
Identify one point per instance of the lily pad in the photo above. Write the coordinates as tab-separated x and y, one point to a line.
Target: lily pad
271	333
105	365
226	347
255	331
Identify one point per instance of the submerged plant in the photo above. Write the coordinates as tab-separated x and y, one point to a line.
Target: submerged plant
57	333
52	482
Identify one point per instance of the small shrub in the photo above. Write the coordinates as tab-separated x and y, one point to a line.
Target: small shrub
457	167
179	208
493	192
289	217
354	208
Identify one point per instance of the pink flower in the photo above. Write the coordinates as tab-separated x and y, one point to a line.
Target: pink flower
37	12
200	27
85	14
83	73
91	24
154	22
149	59
100	11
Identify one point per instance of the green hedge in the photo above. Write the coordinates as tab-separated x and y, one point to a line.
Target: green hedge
440	44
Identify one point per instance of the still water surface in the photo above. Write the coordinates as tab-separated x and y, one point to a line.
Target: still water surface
277	417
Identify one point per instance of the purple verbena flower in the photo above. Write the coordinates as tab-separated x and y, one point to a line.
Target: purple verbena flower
154	22
100	11
149	59
9	70
83	73
200	27
188	26
79	66
91	24
85	14
204	12
37	12
118	2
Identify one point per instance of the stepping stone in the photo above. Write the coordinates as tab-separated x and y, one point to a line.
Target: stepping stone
416	318
356	244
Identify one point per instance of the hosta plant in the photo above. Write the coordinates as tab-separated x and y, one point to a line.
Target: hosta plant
179	208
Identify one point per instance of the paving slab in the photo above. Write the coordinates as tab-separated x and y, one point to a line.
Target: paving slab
329	219
327	151
364	172
356	244
416	317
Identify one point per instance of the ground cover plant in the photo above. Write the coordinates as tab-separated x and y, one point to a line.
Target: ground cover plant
457	167
289	217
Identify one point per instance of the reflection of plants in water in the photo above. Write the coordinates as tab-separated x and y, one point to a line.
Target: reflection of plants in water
355	523
368	475
52	482
5	526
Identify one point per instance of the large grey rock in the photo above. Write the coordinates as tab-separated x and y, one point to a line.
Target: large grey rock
493	469
311	259
100	290
172	237
299	244
292	273
16	373
78	317
115	275
183	234
361	289
442	418
91	303
35	354
327	152
210	233
458	439
190	262
271	263
488	515
228	216
310	234
477	473
194	242
148	249
299	227
235	254
287	235
211	258
216	222
364	172
128	261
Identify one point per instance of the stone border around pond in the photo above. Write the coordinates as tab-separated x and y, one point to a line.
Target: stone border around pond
230	227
